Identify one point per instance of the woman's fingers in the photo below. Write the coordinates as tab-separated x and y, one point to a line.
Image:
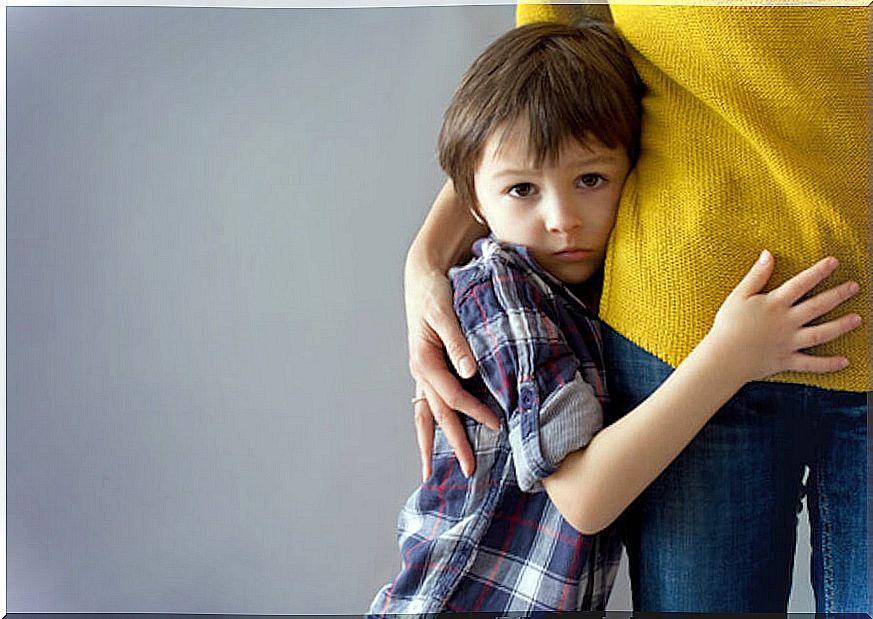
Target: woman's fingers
453	428
424	430
445	324
822	303
433	331
445	396
428	366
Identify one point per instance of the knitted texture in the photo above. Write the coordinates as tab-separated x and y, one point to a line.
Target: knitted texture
754	136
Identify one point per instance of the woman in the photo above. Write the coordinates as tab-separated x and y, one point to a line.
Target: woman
753	136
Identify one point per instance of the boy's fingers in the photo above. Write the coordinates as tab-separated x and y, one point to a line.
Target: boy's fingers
822	303
792	290
756	278
424	430
800	362
831	330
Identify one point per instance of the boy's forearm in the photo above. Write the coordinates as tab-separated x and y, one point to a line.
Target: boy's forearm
594	485
445	237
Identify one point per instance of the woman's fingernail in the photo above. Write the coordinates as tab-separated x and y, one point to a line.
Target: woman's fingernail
468	368
764	258
854	287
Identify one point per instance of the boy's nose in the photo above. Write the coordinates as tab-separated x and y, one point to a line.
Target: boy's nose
561	215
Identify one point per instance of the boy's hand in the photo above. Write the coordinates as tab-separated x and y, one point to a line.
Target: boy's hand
760	334
433	327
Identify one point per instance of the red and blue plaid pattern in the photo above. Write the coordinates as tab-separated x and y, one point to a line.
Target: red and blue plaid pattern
495	542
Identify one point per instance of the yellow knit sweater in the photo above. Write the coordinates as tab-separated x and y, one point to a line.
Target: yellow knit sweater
754	136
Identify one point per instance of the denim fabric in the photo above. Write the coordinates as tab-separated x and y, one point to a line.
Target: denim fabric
716	531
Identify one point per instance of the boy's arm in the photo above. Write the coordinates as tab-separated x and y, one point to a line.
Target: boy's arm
526	363
432	329
754	336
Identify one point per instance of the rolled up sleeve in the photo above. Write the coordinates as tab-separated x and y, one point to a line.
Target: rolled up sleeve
530	370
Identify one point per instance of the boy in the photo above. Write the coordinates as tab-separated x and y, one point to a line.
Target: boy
540	137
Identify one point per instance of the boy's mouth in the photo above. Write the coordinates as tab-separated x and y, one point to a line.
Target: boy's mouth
573	254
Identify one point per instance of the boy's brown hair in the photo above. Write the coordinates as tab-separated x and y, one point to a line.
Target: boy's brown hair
562	81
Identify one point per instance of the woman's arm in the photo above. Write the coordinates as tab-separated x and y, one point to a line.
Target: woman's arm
443	240
754	336
433	330
445	236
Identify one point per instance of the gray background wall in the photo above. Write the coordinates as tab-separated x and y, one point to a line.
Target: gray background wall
207	212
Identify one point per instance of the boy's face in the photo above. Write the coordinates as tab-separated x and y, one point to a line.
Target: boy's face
563	212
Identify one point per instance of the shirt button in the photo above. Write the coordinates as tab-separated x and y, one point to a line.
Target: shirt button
528	399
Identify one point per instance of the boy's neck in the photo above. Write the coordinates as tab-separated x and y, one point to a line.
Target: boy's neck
589	290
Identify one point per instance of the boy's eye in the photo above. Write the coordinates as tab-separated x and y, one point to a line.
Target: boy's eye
590	180
521	190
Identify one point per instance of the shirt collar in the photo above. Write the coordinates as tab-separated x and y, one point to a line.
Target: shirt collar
522	252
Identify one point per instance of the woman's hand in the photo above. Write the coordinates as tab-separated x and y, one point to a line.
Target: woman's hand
432	329
761	334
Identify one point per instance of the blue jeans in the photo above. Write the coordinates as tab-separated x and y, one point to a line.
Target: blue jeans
716	531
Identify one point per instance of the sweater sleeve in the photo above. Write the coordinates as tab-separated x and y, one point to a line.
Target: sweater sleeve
528	13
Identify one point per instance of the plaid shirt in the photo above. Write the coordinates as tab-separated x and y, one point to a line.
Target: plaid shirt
495	542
